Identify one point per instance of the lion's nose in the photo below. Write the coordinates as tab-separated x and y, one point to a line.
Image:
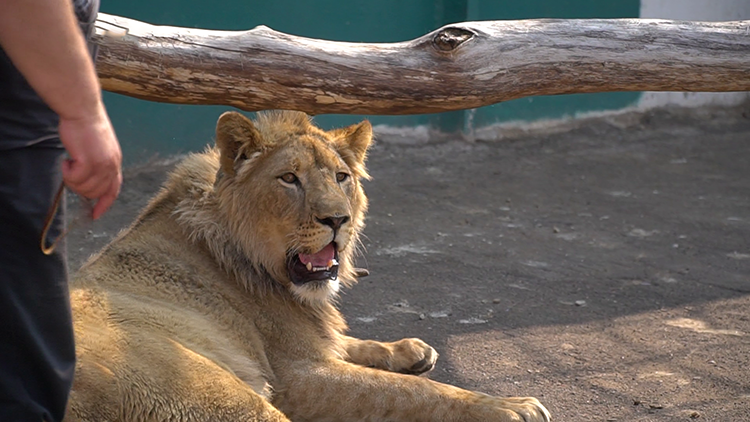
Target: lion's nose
334	222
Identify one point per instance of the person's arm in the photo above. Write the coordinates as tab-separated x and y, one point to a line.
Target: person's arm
45	43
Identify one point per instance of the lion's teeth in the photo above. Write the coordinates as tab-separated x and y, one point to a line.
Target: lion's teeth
331	263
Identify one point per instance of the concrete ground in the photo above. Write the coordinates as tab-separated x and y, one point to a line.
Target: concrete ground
604	269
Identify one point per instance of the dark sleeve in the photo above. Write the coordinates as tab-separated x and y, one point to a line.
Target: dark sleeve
25	119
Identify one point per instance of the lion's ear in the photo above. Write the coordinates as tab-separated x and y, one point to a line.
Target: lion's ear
352	144
236	138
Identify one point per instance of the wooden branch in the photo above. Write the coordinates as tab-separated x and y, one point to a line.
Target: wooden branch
458	66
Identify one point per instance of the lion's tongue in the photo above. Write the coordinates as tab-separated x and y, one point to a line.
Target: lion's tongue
319	259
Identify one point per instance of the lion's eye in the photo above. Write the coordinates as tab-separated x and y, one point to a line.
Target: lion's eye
290	178
340	177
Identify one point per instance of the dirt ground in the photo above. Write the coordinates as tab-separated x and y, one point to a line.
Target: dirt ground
604	270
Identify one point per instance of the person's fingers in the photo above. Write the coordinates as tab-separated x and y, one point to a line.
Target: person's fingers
107	199
94	168
92	187
74	174
90	181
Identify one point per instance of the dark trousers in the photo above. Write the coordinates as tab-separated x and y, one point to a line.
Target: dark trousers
37	355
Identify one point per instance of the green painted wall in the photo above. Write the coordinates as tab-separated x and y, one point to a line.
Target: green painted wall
146	128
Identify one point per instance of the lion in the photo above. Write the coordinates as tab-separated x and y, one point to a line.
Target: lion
219	302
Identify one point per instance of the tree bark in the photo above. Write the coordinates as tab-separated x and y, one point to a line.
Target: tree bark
458	66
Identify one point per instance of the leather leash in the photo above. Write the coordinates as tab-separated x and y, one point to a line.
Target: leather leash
53	209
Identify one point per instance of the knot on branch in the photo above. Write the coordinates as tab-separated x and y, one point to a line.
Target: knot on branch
448	39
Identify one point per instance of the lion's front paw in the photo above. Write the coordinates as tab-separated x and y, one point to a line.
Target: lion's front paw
527	409
412	356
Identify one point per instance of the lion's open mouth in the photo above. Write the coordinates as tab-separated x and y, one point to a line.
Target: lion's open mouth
322	265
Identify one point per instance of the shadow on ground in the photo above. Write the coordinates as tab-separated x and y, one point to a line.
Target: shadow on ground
605	270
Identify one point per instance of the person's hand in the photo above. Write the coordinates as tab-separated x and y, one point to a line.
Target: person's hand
94	167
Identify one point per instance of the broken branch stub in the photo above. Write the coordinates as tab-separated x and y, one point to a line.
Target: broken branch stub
448	39
459	66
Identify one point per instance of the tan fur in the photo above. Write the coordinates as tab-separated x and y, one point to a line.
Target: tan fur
190	314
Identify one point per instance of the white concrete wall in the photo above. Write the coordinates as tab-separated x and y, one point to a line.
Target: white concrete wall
695	10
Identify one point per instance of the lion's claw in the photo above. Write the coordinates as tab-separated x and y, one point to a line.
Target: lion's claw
412	356
527	409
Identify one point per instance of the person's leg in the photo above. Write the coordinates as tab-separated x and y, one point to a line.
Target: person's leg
37	355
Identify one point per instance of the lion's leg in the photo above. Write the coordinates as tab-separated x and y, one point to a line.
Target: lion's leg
406	356
210	396
163	381
344	392
213	406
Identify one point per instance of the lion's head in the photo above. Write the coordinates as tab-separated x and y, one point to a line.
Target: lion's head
288	197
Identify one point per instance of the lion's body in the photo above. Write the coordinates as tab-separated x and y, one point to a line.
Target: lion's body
191	314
